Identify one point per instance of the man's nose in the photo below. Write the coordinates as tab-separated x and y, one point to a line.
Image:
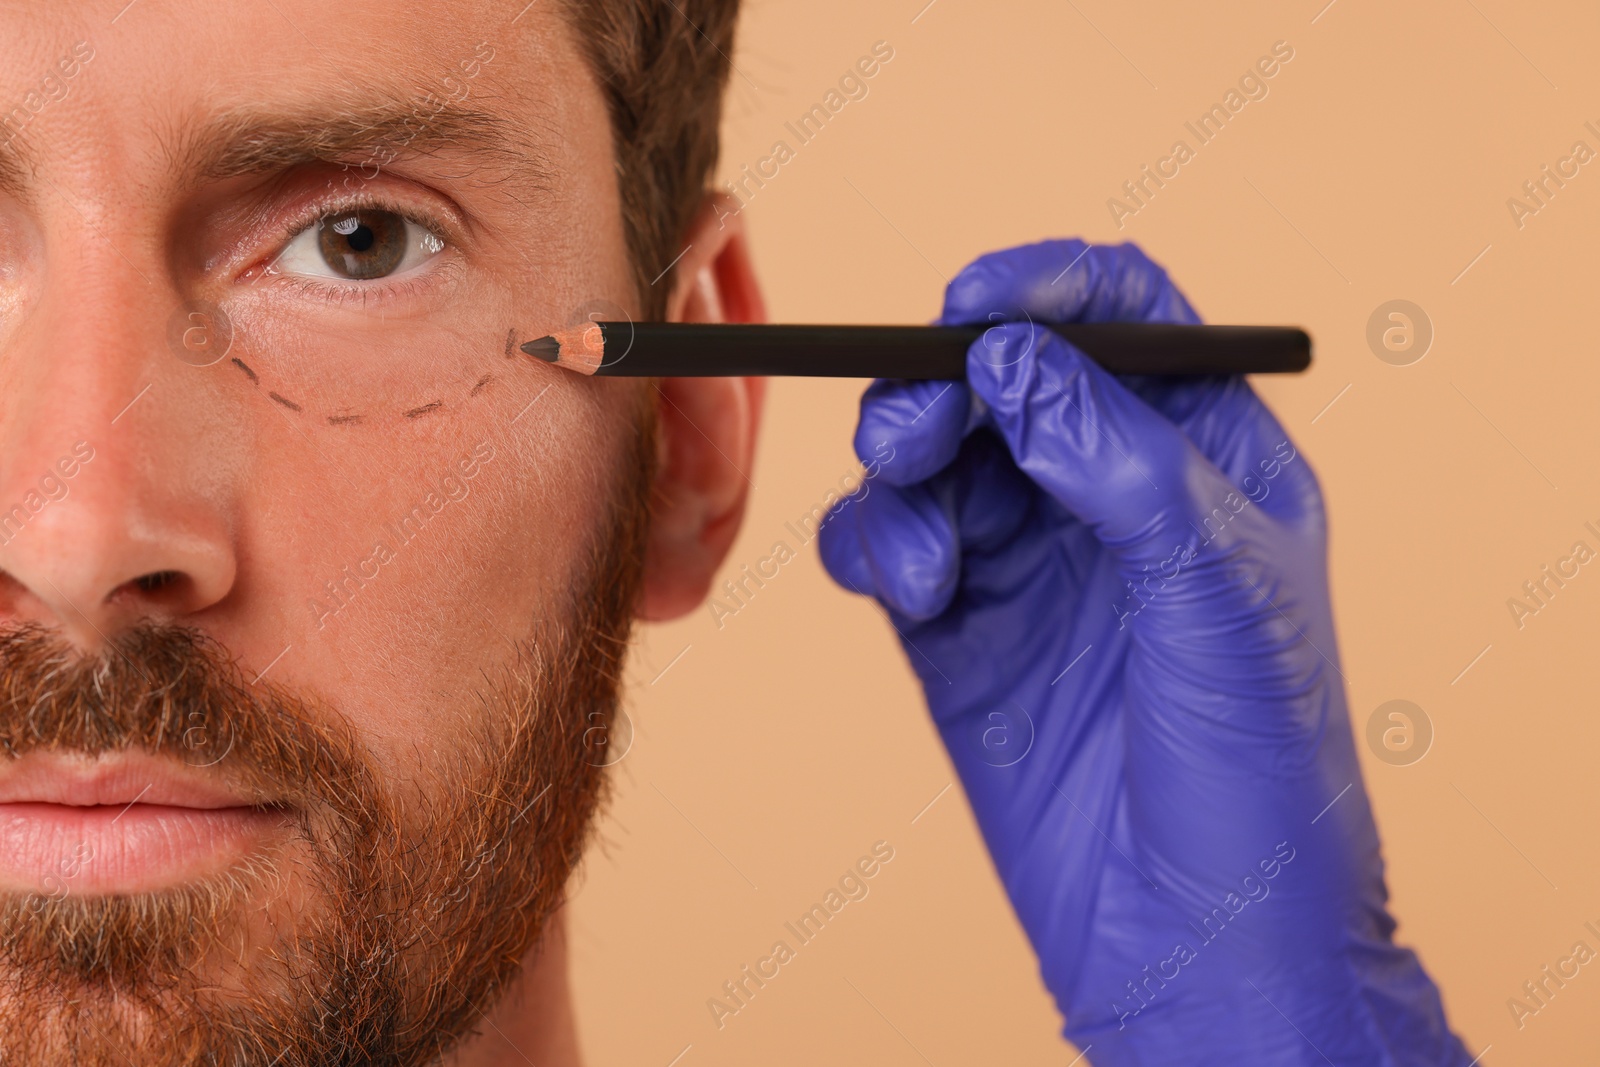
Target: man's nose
110	512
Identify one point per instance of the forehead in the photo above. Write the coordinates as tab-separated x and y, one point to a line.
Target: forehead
172	82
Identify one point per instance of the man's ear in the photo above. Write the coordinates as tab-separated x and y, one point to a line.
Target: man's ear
706	434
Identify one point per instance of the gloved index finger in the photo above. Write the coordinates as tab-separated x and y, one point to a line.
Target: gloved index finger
1065	281
913	428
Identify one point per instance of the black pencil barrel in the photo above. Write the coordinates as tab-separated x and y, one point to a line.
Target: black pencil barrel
691	350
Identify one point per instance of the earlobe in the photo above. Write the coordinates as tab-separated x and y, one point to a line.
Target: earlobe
706	426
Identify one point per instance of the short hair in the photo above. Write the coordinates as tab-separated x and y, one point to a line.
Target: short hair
663	65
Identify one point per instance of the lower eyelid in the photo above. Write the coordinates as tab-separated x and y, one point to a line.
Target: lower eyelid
416	283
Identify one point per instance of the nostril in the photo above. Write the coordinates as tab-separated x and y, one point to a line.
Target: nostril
150	583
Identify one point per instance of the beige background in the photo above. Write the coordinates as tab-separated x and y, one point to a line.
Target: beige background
772	752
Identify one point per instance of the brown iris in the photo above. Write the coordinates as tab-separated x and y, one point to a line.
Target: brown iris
363	244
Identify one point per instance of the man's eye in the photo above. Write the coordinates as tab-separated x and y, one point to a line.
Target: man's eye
360	245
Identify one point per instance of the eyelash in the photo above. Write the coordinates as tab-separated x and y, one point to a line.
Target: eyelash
342	292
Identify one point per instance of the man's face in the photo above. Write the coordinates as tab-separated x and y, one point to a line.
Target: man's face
311	580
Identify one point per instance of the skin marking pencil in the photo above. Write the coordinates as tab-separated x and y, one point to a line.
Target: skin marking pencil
692	350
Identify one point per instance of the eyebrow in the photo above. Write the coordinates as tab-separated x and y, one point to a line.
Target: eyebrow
256	139
253	140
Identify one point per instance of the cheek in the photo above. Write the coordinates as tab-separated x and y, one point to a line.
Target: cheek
400	646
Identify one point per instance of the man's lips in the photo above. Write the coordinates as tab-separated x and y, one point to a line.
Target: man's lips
124	823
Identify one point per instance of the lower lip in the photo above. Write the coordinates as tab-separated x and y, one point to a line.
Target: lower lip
65	850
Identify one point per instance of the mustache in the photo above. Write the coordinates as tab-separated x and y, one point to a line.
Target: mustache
173	691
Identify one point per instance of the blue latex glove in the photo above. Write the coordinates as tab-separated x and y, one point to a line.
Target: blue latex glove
1115	594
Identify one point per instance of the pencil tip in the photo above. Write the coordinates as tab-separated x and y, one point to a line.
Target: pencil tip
545	348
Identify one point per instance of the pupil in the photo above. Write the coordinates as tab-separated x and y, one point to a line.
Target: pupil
363	245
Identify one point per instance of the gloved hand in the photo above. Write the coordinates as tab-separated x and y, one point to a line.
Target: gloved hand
1115	595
